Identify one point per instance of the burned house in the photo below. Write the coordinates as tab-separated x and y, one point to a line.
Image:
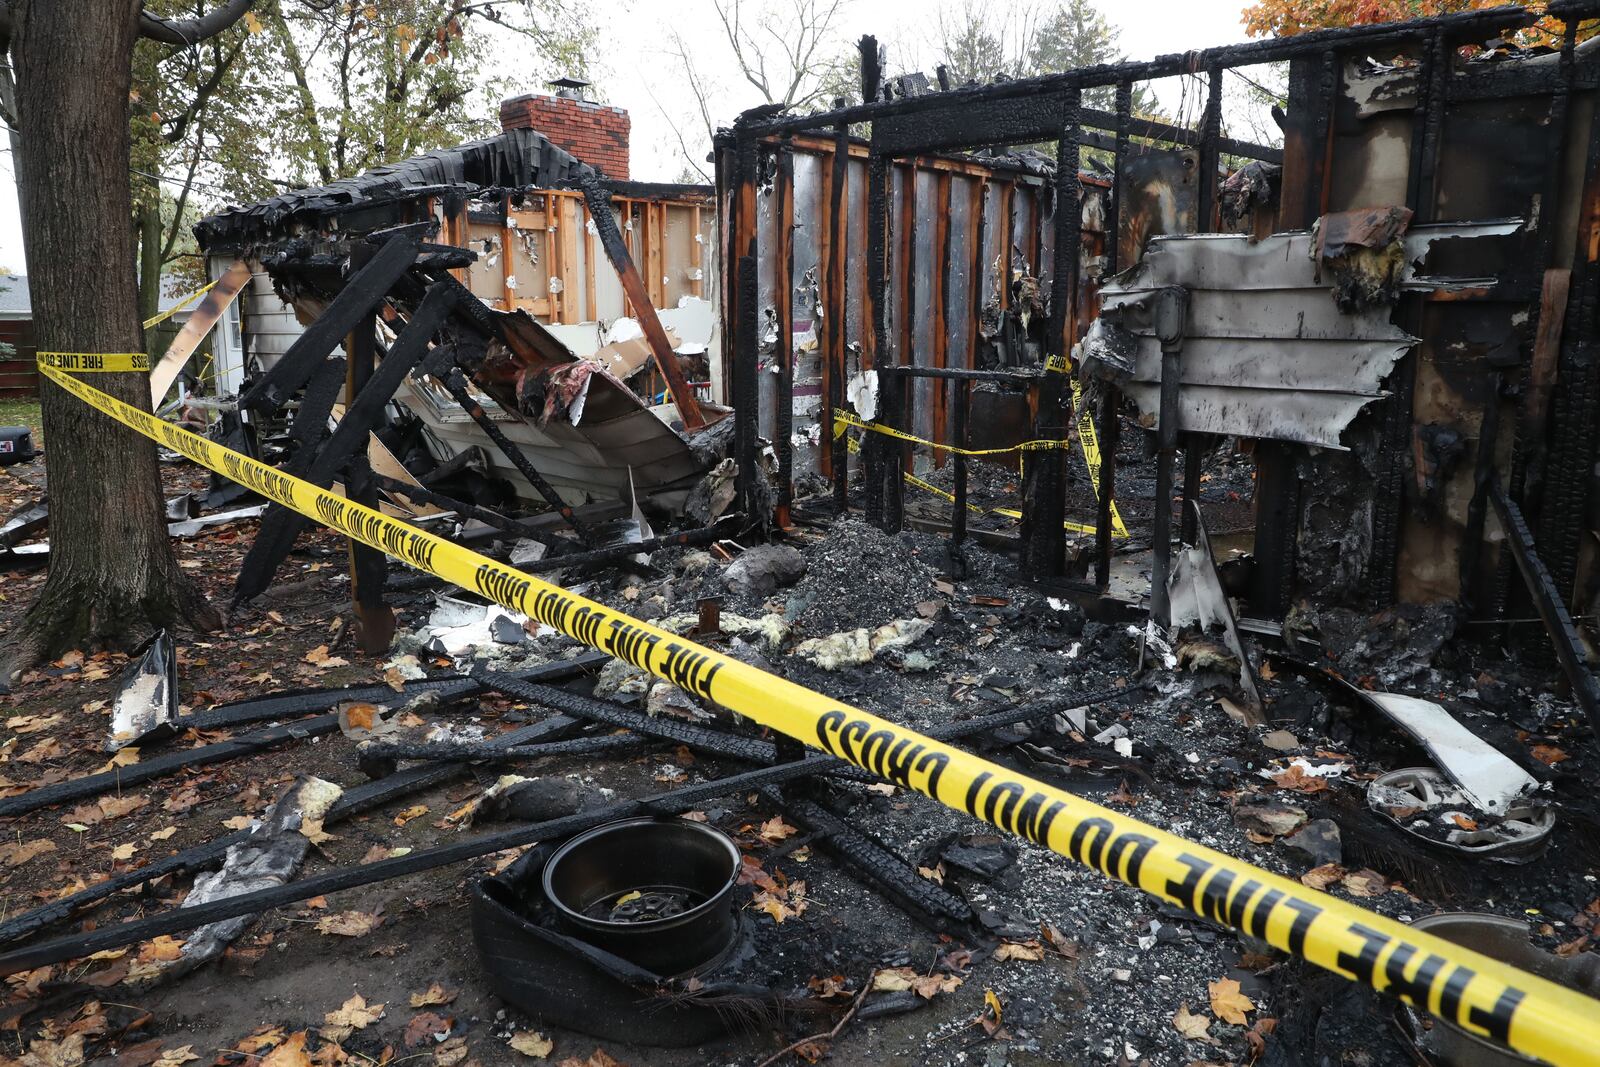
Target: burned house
1388	319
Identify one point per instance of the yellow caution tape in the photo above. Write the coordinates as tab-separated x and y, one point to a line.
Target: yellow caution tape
1010	513
843	419
1088	442
95	362
179	306
1482	995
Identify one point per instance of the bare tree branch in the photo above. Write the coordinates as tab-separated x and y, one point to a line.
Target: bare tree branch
192	31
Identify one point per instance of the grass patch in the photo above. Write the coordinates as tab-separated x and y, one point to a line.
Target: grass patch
20	411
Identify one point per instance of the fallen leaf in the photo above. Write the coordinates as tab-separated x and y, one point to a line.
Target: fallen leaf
238	822
163	834
355	1014
116	807
934	873
349	923
124	757
1227	1003
427	1026
992	1015
775	830
531	1043
1324	876
930	985
1194	1027
416	811
31	724
319	657
161	949
1297	779
262	1038
49	748
1023	950
1365	883
122	853
1548	754
175	1056
292	1053
15	855
1058	941
68	1052
435	994
451	1052
893	979
598	1058
1462	821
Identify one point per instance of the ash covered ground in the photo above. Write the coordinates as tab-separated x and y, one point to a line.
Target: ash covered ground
1060	966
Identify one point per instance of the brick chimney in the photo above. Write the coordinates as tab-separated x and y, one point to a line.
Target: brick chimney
595	133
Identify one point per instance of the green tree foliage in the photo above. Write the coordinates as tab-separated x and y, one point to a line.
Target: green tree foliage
303	92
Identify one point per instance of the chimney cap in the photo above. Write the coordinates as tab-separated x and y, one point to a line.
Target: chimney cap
568	86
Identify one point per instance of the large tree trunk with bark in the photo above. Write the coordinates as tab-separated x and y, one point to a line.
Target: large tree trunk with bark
113	576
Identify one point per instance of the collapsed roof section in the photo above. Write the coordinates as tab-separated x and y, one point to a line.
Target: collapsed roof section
514	160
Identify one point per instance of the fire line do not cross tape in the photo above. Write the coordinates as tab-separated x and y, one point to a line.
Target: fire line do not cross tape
1479	994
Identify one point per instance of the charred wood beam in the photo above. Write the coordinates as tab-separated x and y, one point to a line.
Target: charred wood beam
598	201
876	863
703	536
604	711
1023	379
672	803
949	107
1551	605
355	801
280	527
363	291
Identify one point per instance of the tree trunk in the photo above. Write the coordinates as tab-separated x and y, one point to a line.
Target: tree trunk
150	258
113	577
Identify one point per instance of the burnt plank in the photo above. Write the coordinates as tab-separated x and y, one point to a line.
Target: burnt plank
363	291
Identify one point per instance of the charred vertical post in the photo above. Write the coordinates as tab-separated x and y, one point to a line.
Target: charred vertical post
837	309
895	395
1171	313
1110	421
746	331
368	567
783	298
958	514
616	250
873	455
1045	550
1563	496
941	303
1206	220
1395	443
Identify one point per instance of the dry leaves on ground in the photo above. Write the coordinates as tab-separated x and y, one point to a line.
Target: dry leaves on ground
291	1053
349	923
356	1014
775	830
1019	950
427	1026
1227	1003
434	994
598	1058
1192	1026
15	855
531	1043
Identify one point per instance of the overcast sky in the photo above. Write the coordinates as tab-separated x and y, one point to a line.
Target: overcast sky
636	70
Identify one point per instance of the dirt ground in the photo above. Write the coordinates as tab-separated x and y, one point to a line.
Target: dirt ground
1062	966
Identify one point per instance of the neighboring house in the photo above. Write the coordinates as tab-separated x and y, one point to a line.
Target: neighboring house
18	374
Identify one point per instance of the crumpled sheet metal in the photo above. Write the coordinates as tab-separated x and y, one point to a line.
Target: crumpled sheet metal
1490	779
147	696
1266	352
1196	598
1414	797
